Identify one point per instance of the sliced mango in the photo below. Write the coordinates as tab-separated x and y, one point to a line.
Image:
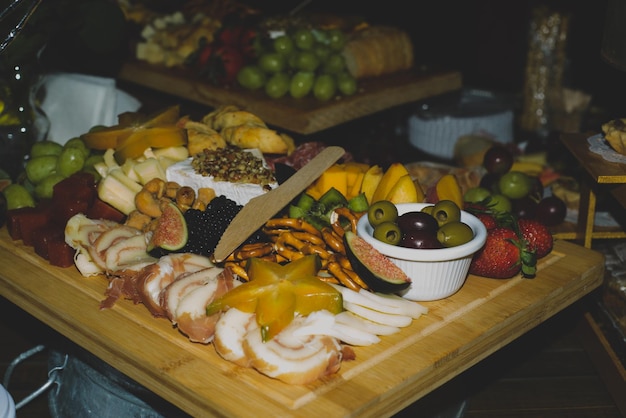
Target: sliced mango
334	176
128	124
371	180
355	173
448	188
107	138
168	116
390	178
141	139
404	191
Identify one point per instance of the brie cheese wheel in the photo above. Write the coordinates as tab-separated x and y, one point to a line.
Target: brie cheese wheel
185	175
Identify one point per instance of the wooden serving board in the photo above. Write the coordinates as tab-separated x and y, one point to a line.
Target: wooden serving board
457	333
303	116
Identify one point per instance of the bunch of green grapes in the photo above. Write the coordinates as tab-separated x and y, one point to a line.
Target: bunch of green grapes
49	163
301	63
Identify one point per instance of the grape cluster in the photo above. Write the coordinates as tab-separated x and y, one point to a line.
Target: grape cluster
300	63
48	163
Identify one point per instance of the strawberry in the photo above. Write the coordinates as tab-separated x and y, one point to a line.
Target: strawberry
503	256
487	219
537	235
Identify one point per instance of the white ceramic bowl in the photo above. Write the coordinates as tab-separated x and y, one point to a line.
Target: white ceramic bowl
435	273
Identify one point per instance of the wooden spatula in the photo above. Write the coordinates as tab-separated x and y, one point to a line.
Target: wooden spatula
261	208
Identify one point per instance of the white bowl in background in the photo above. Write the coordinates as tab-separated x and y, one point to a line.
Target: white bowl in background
435	273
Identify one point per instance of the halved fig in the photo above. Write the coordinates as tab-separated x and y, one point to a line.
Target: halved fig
171	230
374	268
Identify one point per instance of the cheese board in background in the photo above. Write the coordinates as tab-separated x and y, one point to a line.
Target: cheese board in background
302	116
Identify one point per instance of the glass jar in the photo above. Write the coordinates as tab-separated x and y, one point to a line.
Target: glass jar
22	122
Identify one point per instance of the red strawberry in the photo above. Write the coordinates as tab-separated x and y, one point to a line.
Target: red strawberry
537	235
487	219
487	216
504	255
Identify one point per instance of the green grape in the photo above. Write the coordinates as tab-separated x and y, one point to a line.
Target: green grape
277	85
336	39
39	168
43	189
307	61
301	84
70	161
283	45
46	147
322	52
78	143
304	39
90	169
272	62
251	77
346	84
324	87
97	128
334	64
93	160
17	196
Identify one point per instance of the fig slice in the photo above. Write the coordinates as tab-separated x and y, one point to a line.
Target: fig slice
373	267
171	230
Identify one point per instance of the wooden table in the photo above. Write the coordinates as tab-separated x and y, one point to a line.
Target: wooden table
458	332
302	116
599	172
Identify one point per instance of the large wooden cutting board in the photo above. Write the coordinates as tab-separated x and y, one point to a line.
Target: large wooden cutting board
457	333
303	116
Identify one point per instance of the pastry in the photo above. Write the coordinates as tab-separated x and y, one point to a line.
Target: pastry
615	134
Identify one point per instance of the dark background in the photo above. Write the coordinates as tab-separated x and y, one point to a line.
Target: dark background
487	40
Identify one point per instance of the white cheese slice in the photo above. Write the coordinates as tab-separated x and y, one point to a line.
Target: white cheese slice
185	175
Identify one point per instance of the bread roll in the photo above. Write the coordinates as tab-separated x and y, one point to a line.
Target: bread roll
378	50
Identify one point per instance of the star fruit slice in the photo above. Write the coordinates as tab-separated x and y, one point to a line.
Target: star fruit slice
277	293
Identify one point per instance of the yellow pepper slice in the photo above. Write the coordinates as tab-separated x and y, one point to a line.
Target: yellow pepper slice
277	293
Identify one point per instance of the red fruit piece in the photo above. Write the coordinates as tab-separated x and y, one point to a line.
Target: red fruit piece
73	195
488	220
43	235
60	254
503	256
23	221
102	210
537	235
483	213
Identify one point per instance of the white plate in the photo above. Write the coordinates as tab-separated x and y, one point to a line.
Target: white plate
599	145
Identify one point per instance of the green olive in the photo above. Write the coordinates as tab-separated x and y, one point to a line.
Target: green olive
382	211
428	209
454	233
446	211
388	232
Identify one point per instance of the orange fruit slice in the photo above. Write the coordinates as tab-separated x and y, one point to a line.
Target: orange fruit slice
134	145
105	138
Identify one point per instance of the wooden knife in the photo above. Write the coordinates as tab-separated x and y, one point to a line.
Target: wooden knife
260	209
